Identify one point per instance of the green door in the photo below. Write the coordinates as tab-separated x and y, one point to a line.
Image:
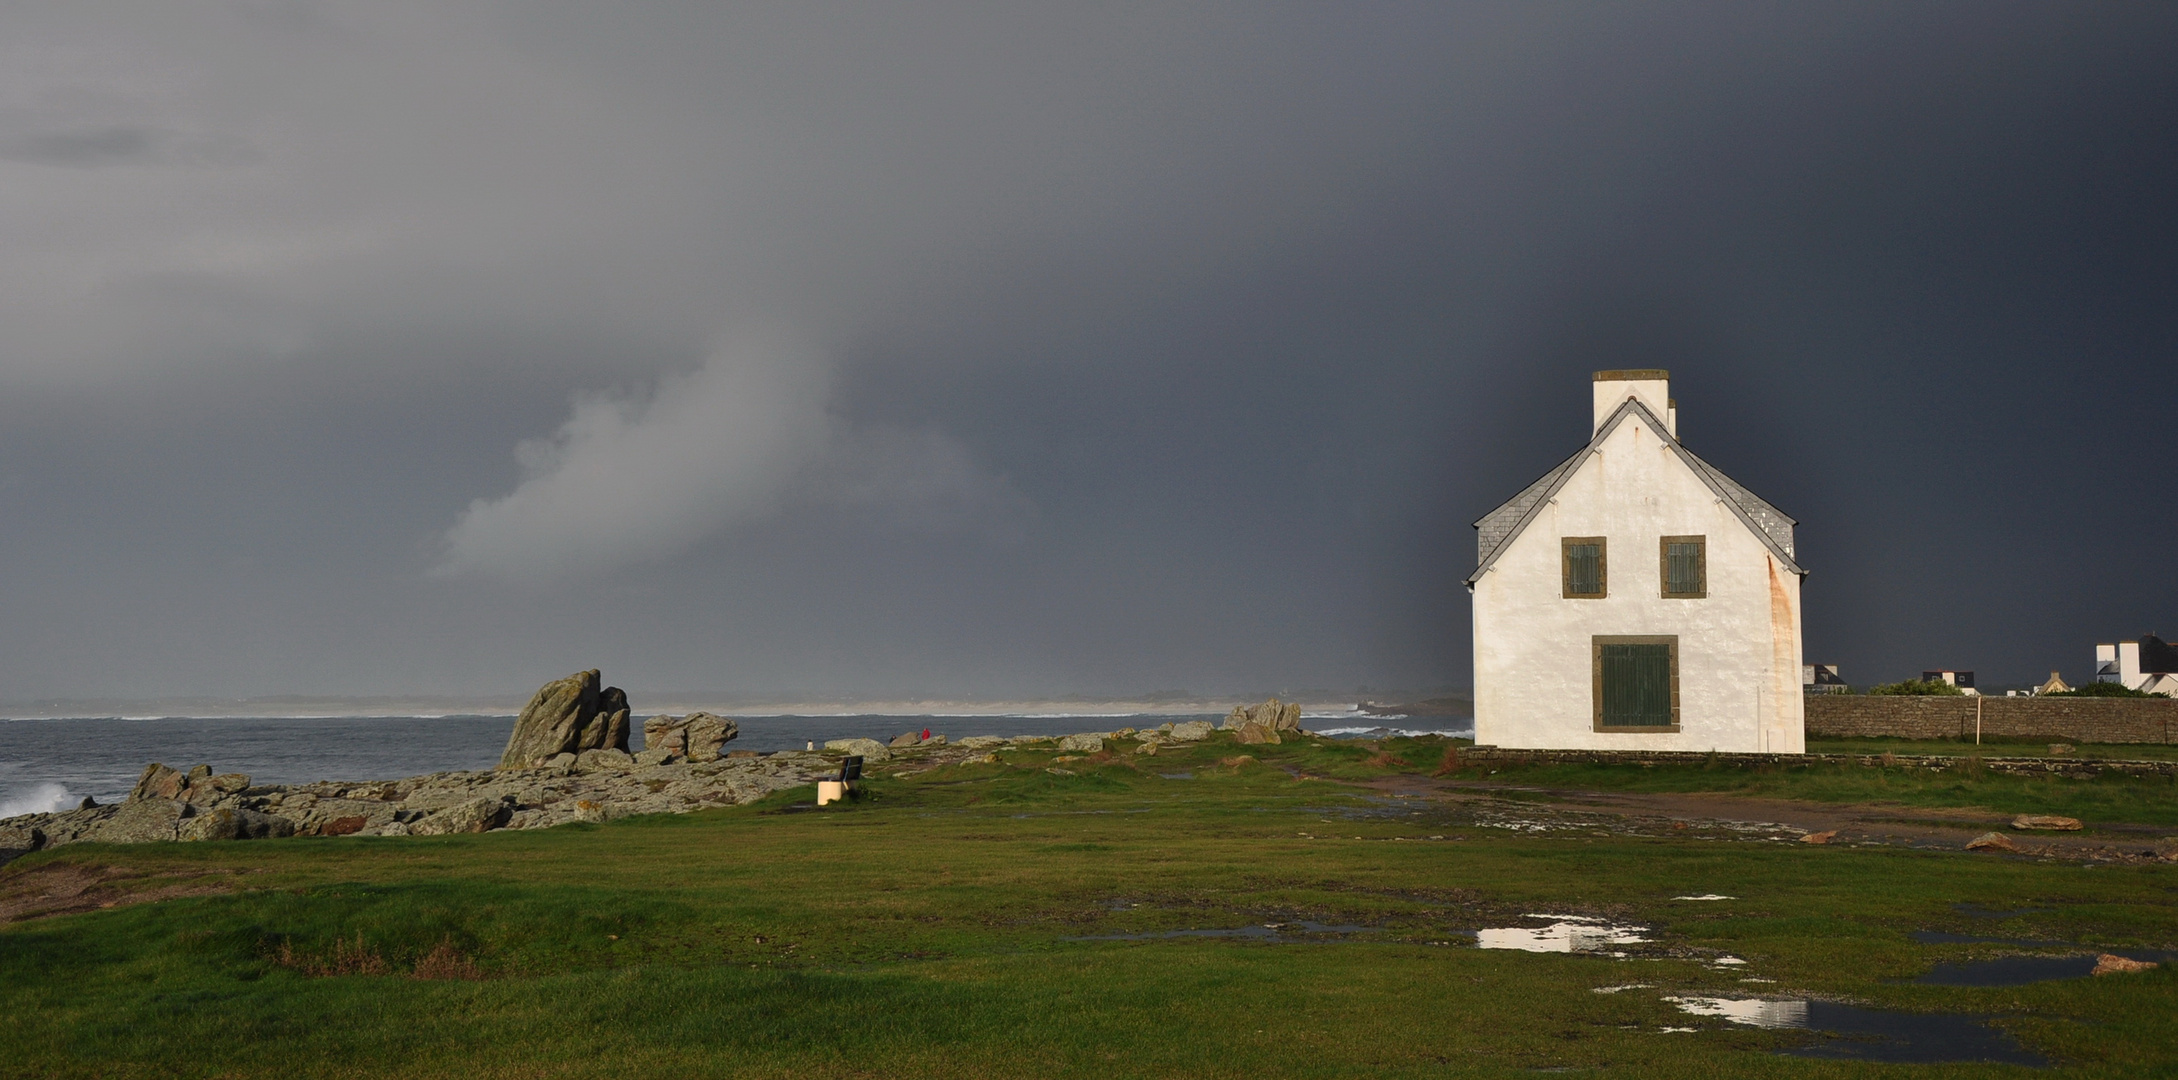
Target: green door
1636	685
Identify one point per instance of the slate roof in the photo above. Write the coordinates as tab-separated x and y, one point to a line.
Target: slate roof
1496	529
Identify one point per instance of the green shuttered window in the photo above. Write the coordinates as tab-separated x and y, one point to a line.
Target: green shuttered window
1684	567
1585	567
1637	683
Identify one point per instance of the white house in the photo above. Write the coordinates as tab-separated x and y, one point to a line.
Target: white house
2149	665
1635	598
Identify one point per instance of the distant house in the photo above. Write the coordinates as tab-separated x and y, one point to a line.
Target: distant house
1635	597
1822	679
2149	665
1964	680
2055	685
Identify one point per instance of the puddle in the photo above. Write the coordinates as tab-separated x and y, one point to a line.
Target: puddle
1858	1034
1565	934
2021	970
1266	932
2009	971
1939	937
1706	896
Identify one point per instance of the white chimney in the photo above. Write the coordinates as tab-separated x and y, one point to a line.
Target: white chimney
2129	663
1651	386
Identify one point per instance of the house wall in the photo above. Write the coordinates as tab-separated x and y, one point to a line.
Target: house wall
2058	719
1739	648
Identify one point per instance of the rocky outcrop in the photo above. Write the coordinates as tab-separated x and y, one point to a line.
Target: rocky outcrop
233	823
2113	964
1088	743
468	816
2050	822
1263	723
568	716
869	750
1991	842
699	736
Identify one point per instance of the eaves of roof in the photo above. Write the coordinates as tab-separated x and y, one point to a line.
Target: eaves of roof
1767	522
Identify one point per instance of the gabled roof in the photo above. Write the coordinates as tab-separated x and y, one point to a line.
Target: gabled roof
1496	530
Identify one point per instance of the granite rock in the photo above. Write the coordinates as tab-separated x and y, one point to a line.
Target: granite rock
228	823
472	816
568	715
870	750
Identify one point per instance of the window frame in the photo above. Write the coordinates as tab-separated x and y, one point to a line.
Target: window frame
1565	567
1663	567
1595	682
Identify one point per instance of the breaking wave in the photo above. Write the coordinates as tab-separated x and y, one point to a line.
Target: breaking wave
45	798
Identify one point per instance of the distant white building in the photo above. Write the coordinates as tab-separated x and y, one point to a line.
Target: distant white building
2149	665
1964	680
1637	598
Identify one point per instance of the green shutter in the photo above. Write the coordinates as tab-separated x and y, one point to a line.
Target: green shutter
1636	685
1583	569
1683	564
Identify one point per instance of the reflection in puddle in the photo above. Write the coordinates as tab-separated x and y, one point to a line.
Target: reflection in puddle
1265	932
1754	1012
2010	971
2021	970
1566	934
1869	1034
1938	937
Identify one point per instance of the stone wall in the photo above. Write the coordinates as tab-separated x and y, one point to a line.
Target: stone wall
2056	719
2071	768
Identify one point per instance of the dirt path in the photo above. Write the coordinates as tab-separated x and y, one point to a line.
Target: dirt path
1890	824
64	888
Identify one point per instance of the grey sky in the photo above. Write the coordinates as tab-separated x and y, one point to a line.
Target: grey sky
970	349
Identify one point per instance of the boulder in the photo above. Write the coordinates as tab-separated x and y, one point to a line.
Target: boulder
652	757
707	735
20	837
699	736
902	742
568	715
608	760
1252	733
1088	743
2046	821
230	823
139	822
344	826
1191	731
2113	964
1824	837
978	742
1274	715
1991	842
158	782
870	749
667	733
473	816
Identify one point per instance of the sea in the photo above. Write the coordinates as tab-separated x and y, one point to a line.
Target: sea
51	764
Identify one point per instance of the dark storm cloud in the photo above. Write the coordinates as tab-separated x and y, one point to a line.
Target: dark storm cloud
947	349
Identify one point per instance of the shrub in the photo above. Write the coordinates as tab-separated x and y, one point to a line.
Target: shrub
1918	688
2101	689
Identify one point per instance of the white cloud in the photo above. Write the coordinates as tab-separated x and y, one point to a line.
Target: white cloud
632	478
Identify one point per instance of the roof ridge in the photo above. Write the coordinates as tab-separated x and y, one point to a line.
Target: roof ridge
1761	518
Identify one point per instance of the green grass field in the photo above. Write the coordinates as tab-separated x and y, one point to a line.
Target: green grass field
936	928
